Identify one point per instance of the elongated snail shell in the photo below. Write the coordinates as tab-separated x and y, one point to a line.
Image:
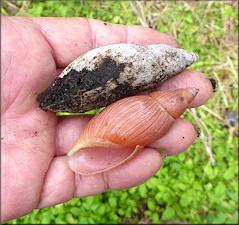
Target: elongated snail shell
130	123
109	73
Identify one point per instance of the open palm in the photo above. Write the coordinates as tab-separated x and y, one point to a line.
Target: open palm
35	173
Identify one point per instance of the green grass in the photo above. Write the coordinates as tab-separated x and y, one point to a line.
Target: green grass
187	189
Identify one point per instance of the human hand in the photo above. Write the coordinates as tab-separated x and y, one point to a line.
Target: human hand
35	172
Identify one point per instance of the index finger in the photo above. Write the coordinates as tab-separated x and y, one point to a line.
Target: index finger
72	37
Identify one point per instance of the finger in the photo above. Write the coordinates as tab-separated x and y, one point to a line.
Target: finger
58	185
178	138
188	78
191	78
61	183
130	175
68	131
72	37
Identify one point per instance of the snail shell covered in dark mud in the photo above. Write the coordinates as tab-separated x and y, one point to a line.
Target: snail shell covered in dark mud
124	127
107	74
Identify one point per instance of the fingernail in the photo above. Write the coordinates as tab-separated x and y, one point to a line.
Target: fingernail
197	129
163	154
214	83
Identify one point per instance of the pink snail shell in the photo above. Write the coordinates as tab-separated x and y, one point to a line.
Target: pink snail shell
125	127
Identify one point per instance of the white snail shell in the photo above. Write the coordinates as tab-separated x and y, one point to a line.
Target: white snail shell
107	74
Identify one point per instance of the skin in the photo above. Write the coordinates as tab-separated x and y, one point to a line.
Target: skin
35	172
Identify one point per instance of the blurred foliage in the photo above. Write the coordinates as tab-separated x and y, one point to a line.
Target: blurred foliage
187	189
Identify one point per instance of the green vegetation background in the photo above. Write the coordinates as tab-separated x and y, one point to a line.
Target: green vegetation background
188	188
